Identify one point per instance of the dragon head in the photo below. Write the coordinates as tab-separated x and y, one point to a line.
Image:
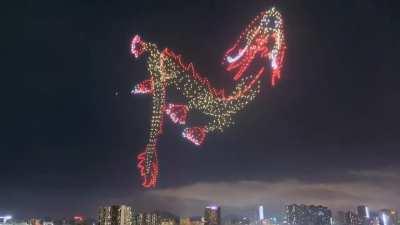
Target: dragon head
263	39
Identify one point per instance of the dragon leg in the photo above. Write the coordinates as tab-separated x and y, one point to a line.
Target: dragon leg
144	87
147	160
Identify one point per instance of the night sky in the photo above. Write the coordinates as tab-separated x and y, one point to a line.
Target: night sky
329	133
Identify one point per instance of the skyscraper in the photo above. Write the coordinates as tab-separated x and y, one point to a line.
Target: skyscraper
363	215
260	213
388	217
115	215
363	211
308	215
212	215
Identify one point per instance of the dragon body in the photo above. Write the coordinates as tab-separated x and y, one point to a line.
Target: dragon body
262	39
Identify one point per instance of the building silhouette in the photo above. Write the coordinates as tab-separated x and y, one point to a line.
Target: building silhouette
212	215
115	215
351	218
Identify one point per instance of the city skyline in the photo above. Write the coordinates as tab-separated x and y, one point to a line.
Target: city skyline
293	214
120	214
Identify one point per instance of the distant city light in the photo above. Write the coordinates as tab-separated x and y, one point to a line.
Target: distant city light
79	218
4	219
385	218
261	212
367	212
213	207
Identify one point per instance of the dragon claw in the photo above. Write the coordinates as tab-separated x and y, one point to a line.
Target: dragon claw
177	113
195	134
144	87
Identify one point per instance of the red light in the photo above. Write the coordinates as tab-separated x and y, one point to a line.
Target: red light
78	218
177	113
195	134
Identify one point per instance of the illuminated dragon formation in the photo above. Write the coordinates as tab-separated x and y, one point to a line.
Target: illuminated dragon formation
263	39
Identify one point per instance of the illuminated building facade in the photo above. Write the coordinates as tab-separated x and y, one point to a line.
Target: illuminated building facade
4	219
115	215
351	218
104	216
184	221
168	219
212	215
308	215
157	218
363	215
197	221
363	211
244	221
151	219
269	221
388	217
137	218
34	221
260	213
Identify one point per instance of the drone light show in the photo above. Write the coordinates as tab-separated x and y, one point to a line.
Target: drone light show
263	39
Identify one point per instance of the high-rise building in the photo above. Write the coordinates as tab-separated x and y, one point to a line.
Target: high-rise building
375	220
212	215
115	215
167	218
388	217
363	211
308	215
364	217
137	218
260	213
156	218
4	219
151	219
340	218
184	221
104	216
34	221
350	218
